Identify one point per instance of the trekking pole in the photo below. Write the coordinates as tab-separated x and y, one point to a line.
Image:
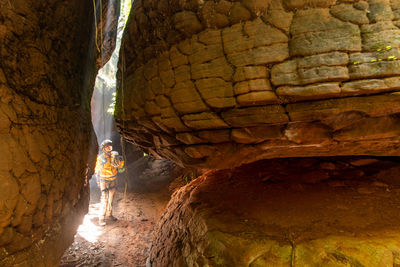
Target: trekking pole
126	167
106	200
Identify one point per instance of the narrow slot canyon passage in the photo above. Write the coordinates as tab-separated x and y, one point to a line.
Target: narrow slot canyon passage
234	133
125	242
142	191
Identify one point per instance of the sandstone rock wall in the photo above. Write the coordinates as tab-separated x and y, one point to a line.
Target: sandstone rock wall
286	212
46	138
246	80
107	13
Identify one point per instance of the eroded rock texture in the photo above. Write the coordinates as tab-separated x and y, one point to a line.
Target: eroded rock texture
47	67
246	80
107	13
286	212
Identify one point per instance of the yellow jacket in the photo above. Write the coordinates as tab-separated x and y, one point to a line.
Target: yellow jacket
105	170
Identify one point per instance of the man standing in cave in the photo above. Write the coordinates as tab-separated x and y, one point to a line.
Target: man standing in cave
108	164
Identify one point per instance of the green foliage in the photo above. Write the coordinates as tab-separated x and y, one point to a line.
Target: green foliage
380	49
188	177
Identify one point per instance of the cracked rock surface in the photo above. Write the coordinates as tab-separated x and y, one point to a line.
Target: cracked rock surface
249	80
285	212
46	137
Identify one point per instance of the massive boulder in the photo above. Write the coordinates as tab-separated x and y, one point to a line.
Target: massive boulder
285	212
202	81
47	69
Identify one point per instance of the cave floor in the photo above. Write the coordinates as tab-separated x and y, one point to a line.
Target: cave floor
125	242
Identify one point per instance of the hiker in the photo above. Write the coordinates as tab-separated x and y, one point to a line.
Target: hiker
108	164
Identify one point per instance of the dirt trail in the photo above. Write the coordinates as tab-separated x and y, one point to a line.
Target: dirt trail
125	242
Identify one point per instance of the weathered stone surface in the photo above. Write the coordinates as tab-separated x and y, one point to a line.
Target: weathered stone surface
255	116
49	55
374	106
249	73
311	69
347	12
177	58
210	37
253	34
323	90
187	22
252	85
257	98
364	85
151	108
382	53
361	5
216	92
260	55
238	13
8	198
315	31
329	59
199	151
262	63
278	16
204	53
182	74
374	69
370	128
216	136
205	120
379	35
218	68
256	7
257	134
211	17
186	99
189	139
379	10
283	213
170	121
299	4
303	133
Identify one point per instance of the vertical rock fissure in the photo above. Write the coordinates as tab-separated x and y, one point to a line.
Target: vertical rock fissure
293	254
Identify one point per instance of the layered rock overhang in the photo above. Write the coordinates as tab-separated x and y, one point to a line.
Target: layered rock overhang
246	80
285	212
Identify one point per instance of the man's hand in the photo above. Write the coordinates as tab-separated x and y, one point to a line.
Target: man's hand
116	162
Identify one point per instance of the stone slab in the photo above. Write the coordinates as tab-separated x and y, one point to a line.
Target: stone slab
255	116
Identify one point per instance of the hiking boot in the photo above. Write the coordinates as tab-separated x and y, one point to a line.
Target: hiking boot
111	218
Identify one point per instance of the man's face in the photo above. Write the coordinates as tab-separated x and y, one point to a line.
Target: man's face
107	149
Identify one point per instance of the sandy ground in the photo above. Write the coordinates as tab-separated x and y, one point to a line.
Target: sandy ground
125	242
